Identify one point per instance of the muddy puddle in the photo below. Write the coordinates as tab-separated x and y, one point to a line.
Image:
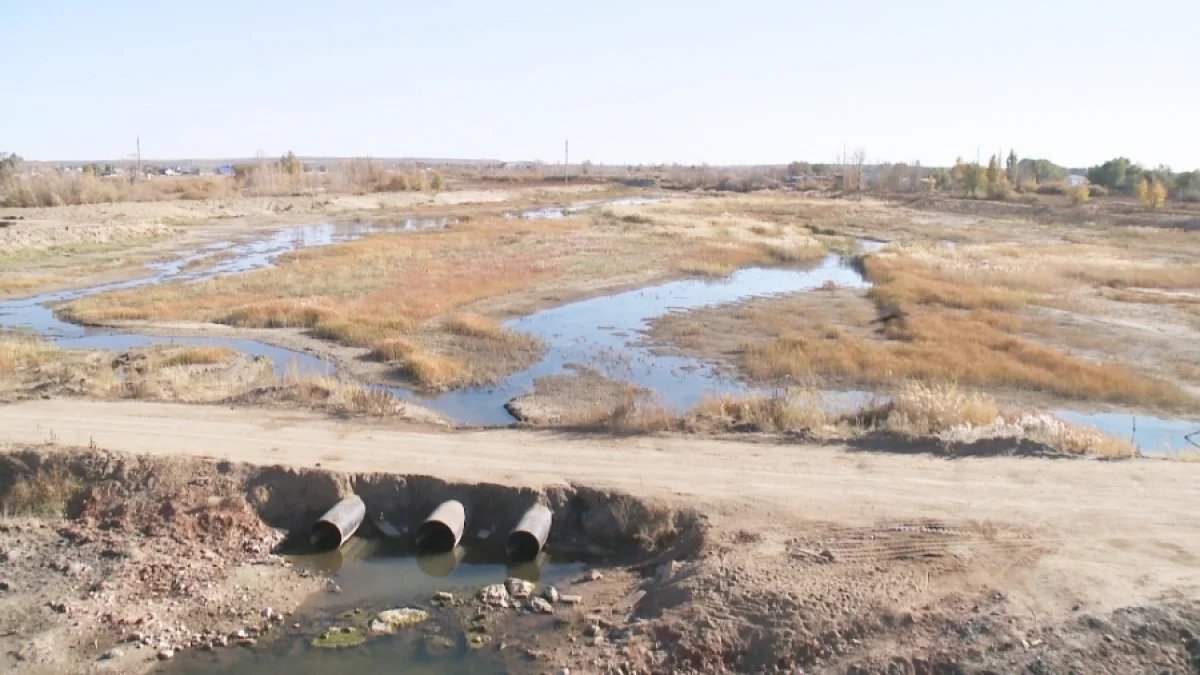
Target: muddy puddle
604	334
373	575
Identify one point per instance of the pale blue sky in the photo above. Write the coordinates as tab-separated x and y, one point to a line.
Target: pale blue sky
627	82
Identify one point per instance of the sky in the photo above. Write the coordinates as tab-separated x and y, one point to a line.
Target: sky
725	82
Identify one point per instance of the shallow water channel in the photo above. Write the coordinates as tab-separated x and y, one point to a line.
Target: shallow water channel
373	575
603	333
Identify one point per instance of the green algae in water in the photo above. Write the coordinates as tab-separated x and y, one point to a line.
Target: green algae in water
337	638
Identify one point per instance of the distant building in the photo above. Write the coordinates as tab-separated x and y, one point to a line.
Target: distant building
225	170
1074	180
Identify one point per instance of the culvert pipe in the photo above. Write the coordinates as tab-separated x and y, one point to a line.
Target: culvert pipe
339	523
529	536
443	529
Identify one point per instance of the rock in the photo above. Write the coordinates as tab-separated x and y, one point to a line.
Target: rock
592	575
111	654
5	586
240	634
570	599
550	593
519	589
438	644
563	671
248	642
478	640
166	654
666	571
269	614
630	601
495	595
391	620
59	607
443	598
541	605
483	534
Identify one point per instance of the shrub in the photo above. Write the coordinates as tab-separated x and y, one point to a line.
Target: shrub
1079	194
1056	188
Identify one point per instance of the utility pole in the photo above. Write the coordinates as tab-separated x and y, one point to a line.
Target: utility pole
138	173
567	161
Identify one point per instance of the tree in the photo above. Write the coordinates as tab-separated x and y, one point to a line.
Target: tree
290	163
1151	194
10	164
993	171
1079	194
437	183
854	174
1013	168
1042	170
799	169
1116	174
1158	194
586	167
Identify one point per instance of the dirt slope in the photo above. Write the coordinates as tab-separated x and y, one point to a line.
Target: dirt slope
1036	541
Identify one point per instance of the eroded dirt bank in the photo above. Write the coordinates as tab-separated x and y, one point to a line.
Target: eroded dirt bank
118	561
828	559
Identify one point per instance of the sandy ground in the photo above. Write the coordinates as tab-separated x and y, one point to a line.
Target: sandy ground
1036	541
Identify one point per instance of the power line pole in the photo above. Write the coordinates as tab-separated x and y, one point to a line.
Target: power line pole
566	161
138	171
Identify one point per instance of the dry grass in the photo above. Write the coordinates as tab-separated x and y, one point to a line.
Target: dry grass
788	252
958	417
435	371
780	413
977	348
194	355
23	284
335	396
950	323
719	260
361	292
18	353
637	411
922	410
394	349
44	493
474	325
900	281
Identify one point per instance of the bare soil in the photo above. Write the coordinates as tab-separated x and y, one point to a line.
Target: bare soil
830	559
567	400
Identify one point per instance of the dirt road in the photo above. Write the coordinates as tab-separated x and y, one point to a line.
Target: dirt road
1120	532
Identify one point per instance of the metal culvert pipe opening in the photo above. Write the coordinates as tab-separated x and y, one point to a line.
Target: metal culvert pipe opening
339	523
527	538
443	529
